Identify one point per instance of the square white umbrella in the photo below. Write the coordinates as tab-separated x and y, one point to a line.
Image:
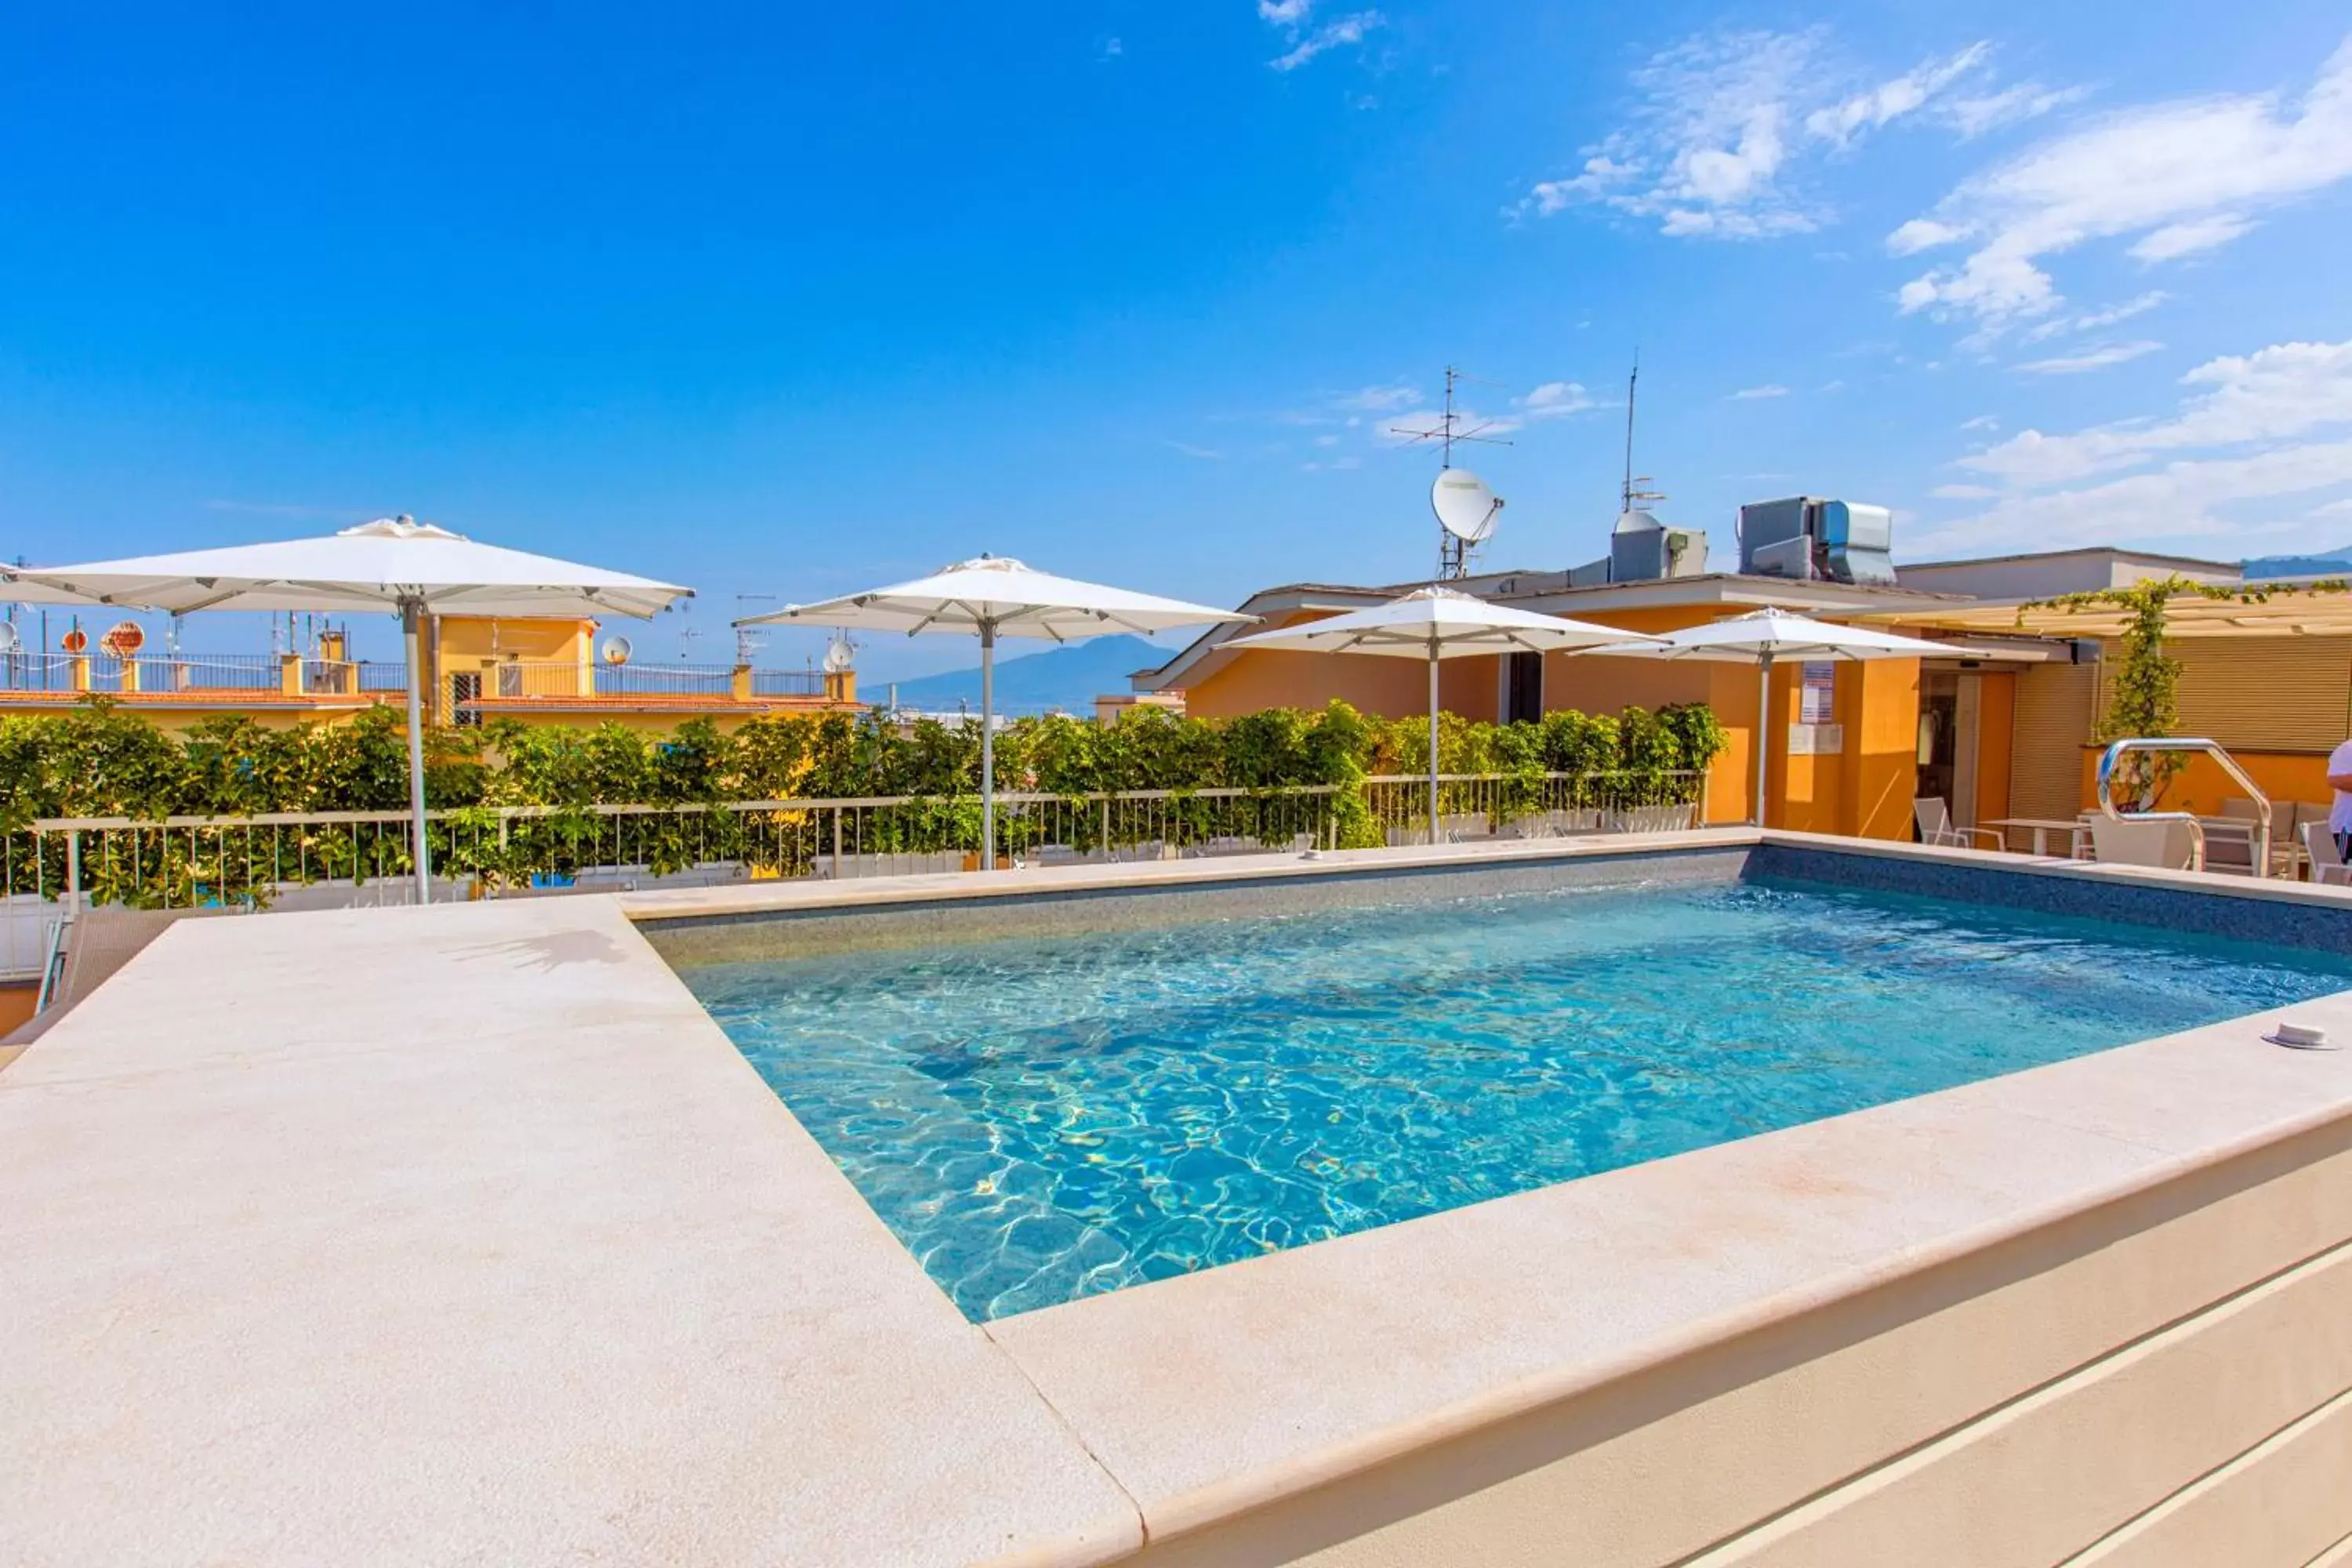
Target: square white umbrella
397	565
1436	624
1763	637
993	596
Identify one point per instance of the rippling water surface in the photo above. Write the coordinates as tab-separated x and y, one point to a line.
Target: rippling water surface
1042	1119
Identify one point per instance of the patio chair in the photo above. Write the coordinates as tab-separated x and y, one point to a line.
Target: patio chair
100	940
2288	816
2229	844
2326	866
1933	817
2165	844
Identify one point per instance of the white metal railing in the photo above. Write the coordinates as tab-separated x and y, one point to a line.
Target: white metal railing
163	673
543	680
352	677
306	859
2228	764
146	672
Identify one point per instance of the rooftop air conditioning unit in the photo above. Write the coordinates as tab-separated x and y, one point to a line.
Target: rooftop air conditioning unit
1813	540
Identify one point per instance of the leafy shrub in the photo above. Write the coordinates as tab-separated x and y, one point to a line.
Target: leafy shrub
99	760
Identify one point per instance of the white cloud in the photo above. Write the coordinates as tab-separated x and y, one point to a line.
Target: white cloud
1921	234
1981	422
2198	498
1891	100
2219	466
1972	117
1333	465
2183	176
1206	454
1723	122
1556	400
1750	393
1304	45
1964	492
2281	392
1406	428
2090	359
2091	320
2174	240
1381	399
1112	48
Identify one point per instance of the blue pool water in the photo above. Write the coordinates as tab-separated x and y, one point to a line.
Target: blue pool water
1042	1119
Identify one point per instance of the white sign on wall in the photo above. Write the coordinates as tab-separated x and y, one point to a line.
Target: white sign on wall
1817	693
1816	740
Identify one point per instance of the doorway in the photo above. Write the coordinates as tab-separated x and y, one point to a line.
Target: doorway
1950	712
1939	739
1522	687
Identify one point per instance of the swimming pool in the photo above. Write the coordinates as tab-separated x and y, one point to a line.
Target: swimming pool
1043	1118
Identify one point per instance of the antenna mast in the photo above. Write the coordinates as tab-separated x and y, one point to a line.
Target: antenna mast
1630	494
748	642
1453	551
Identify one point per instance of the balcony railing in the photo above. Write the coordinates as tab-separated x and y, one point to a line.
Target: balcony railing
313	860
528	681
352	678
158	674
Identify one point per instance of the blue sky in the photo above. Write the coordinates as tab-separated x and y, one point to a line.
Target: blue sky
792	301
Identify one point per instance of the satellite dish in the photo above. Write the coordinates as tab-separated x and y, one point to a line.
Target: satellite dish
1465	508
123	638
9	641
75	640
616	650
839	655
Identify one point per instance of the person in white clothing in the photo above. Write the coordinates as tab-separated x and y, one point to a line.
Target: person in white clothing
2339	817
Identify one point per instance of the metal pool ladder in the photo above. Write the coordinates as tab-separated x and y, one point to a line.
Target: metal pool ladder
2262	851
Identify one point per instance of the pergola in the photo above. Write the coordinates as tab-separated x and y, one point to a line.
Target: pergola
2319	608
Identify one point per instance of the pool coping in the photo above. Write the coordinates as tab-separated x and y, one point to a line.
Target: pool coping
747	900
1060	1438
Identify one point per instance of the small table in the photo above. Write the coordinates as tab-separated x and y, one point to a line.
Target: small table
2042	828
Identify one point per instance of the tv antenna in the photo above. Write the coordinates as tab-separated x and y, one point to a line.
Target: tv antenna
1458	531
1633	482
747	641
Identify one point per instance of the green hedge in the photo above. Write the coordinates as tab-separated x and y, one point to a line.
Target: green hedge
99	760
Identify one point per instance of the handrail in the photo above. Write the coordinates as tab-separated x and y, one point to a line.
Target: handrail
2213	749
52	964
1684	777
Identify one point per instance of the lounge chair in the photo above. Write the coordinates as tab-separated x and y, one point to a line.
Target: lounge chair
1933	817
2326	865
2166	845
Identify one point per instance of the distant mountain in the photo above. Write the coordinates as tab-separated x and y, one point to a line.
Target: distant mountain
1070	678
2333	561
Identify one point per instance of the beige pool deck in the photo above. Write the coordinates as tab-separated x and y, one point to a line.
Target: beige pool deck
463	1235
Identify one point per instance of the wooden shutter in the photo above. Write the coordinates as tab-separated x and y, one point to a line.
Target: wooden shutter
2266	694
2055	705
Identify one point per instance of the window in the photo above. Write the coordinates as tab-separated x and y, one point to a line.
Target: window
465	692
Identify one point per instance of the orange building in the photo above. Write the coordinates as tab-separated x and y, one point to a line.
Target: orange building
2002	728
475	669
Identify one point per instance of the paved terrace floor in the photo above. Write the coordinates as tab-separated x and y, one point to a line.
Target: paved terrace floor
462	1235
